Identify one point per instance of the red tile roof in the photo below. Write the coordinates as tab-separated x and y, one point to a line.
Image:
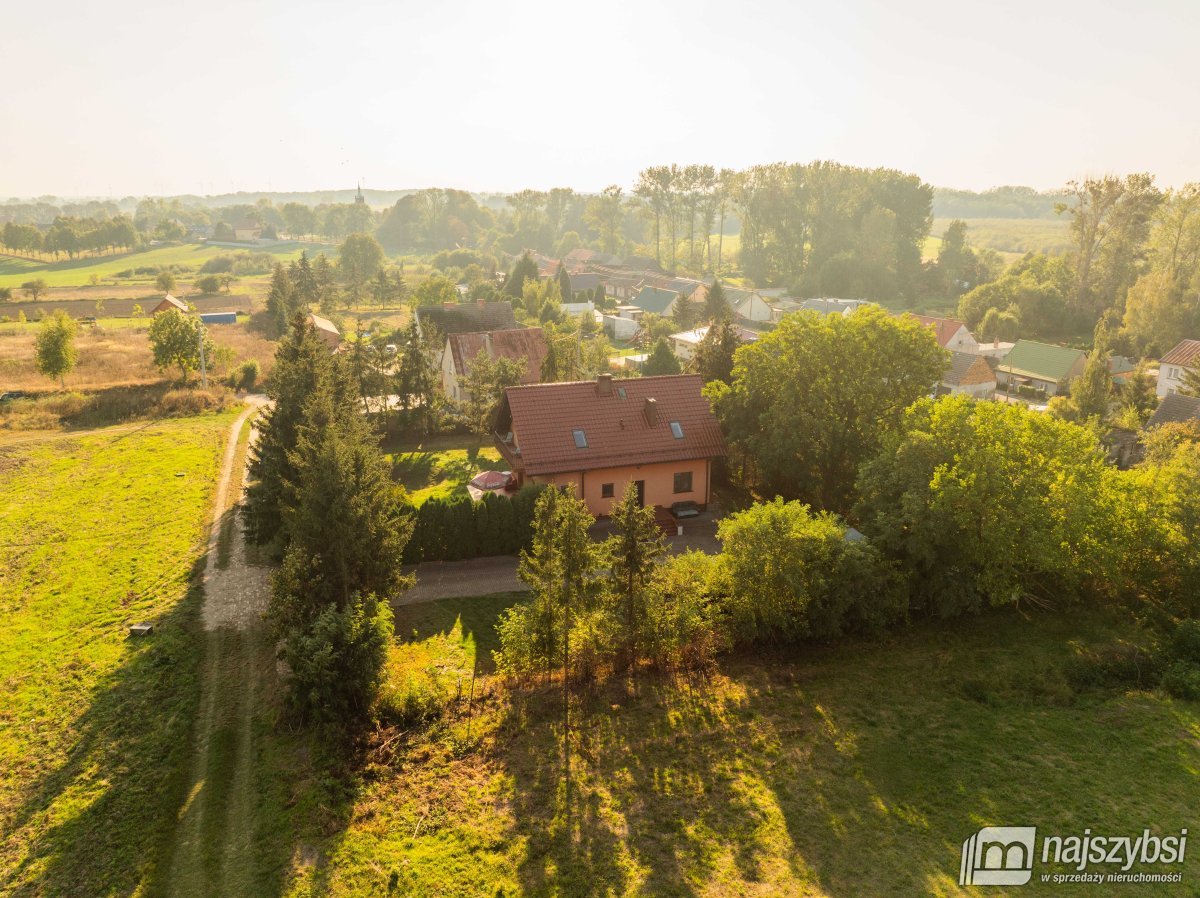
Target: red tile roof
1186	354
527	343
544	416
943	328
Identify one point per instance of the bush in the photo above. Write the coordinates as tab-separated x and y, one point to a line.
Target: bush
245	376
1182	680
457	528
791	574
1185	642
208	283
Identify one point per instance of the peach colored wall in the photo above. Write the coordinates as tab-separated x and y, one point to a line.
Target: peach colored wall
660	483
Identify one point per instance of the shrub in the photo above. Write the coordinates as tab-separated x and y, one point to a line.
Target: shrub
208	283
1185	642
245	376
1182	680
791	574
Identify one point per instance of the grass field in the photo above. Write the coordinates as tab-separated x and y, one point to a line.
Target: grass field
97	531
119	356
855	770
72	273
440	466
1011	237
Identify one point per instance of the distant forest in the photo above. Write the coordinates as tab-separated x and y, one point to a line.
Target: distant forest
999	202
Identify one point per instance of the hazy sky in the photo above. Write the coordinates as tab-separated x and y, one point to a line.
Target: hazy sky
127	97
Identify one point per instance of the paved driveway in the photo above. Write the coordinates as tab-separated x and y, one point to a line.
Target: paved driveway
498	573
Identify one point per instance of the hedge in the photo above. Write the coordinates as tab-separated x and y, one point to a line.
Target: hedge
458	528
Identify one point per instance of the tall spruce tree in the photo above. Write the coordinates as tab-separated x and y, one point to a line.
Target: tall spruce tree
716	303
564	284
302	362
713	360
281	299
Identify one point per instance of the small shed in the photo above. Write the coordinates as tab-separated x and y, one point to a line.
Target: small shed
219	317
170	302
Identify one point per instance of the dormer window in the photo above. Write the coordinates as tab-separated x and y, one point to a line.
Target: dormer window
676	430
580	439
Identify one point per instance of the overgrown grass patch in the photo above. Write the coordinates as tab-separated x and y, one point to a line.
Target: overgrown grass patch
97	532
855	769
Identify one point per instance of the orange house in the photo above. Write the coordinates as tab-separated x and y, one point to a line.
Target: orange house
657	433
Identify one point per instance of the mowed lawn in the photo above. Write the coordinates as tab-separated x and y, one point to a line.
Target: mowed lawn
98	531
853	770
441	466
72	273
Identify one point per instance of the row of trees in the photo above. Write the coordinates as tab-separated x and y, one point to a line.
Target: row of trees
323	498
72	236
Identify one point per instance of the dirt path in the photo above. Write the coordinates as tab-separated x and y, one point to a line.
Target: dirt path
214	847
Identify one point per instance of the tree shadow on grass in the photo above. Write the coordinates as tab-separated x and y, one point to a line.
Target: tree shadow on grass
101	823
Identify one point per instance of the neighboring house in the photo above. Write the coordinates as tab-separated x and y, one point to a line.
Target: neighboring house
624	286
1041	365
247	230
823	306
465	318
1120	368
578	308
749	305
656	300
327	331
997	349
684	344
621	327
1172	366
461	350
584	281
968	374
170	302
578	257
1175	408
951	333
597	436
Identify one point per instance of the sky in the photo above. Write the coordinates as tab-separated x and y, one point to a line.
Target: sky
136	98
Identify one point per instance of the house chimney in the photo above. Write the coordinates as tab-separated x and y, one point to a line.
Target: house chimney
604	384
481	303
650	410
449	305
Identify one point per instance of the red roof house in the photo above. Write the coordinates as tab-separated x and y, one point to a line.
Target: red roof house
170	302
597	436
951	333
526	343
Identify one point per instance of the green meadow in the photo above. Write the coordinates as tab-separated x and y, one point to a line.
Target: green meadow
99	530
78	272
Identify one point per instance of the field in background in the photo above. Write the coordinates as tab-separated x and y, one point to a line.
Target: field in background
98	531
1011	237
14	271
118	356
851	770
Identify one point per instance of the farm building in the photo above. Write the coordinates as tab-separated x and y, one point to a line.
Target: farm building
465	317
1041	366
327	331
968	374
597	436
219	317
170	302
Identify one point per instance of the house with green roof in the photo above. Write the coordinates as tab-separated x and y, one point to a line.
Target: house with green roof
1041	366
655	300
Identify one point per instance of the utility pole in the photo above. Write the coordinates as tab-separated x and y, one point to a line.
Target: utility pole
203	370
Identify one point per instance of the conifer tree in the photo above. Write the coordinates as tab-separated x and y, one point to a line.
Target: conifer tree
716	304
564	284
661	360
302	362
634	553
281	299
714	354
